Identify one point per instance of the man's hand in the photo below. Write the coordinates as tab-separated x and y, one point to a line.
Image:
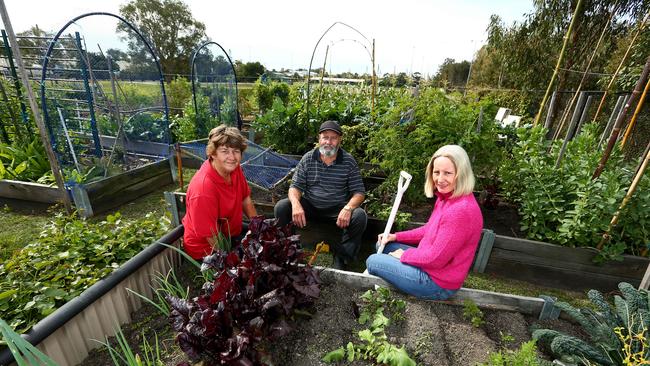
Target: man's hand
298	215
343	220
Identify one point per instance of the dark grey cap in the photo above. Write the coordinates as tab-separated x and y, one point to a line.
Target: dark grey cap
330	125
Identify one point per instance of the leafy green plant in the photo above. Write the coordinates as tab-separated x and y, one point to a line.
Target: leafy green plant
24	352
472	313
23	161
506	337
375	345
382	212
564	205
618	334
192	125
435	119
163	286
70	255
526	355
124	355
379	300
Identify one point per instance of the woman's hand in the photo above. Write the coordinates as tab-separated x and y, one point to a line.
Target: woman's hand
397	253
387	239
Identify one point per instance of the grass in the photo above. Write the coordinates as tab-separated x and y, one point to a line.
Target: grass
487	282
18	229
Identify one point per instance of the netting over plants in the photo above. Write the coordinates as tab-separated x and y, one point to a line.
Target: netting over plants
262	167
103	96
214	88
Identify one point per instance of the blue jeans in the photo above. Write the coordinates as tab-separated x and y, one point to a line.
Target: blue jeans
409	279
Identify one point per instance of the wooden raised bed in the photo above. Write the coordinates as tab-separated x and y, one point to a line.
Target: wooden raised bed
28	191
110	192
562	267
113	191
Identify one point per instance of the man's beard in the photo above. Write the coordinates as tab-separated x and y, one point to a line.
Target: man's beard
328	152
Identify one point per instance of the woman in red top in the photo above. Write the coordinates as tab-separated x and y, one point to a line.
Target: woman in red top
218	194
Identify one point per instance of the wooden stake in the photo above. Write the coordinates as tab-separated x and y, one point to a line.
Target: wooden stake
618	69
374	82
584	75
628	195
619	121
559	62
54	164
639	105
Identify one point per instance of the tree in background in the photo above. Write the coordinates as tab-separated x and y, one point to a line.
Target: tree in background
249	71
452	73
171	29
523	55
33	49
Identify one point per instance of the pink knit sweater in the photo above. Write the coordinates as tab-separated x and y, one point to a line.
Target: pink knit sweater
446	244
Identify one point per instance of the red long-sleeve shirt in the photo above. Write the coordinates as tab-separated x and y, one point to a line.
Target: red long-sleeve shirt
212	206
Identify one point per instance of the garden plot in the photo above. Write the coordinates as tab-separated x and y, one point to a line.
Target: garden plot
433	333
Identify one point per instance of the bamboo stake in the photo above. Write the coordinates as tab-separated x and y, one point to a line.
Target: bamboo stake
618	69
374	82
628	195
619	121
617	109
639	105
179	165
322	74
587	68
54	163
559	62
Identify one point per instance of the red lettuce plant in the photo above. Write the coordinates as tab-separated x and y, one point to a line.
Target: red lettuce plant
256	286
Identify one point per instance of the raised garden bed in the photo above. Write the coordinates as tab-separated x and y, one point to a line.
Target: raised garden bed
68	334
111	192
434	333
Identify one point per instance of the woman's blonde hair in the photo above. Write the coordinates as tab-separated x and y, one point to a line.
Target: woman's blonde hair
223	135
464	175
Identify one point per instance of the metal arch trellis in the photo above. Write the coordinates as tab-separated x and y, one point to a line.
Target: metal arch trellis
87	91
372	60
194	91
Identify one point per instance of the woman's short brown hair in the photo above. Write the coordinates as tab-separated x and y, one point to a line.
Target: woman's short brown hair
223	135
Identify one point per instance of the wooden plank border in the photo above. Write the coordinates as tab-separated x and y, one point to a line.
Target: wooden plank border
113	191
29	191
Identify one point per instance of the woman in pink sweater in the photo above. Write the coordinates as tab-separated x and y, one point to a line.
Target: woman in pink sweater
432	261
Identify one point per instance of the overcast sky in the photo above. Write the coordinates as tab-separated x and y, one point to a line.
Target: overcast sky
409	35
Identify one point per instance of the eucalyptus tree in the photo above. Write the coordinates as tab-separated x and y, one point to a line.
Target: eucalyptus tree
170	28
523	55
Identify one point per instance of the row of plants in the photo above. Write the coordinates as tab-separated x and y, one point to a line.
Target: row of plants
70	255
562	204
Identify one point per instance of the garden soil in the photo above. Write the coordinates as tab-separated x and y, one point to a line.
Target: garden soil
433	333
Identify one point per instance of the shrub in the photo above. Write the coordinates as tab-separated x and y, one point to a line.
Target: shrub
411	131
564	205
179	92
